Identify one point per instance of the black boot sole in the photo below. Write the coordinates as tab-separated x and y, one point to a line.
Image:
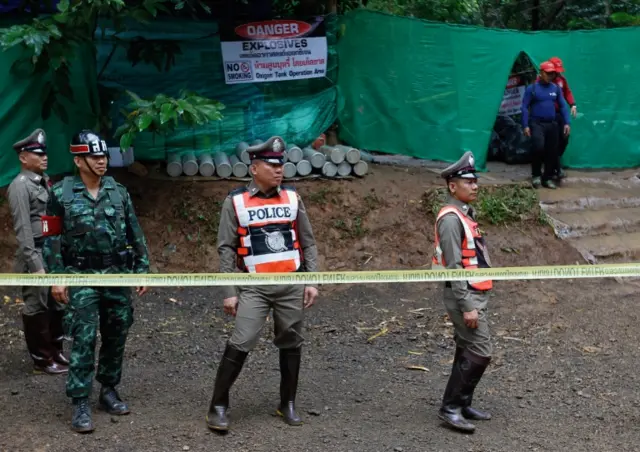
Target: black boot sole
83	429
454	426
103	407
289	421
216	428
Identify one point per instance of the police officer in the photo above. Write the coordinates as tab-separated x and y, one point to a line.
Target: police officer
540	124
41	315
92	228
264	228
459	245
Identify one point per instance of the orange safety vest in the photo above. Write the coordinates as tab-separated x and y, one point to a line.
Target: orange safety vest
267	229
472	249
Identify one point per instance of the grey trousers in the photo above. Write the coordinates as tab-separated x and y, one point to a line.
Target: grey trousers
476	340
254	304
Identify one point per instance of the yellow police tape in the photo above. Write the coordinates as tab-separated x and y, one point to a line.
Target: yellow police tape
346	277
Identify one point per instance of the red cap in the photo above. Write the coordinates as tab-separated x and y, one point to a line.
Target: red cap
557	62
547	66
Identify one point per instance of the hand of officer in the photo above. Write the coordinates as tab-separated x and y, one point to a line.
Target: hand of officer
471	318
574	111
60	294
310	294
527	132
567	129
141	290
231	305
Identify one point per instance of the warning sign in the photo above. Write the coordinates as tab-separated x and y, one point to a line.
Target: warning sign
274	50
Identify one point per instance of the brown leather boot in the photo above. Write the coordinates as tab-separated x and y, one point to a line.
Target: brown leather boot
57	336
38	339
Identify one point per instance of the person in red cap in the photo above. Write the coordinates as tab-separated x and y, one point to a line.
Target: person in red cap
539	122
561	81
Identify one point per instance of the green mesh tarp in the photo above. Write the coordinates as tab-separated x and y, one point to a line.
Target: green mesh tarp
297	110
430	90
21	104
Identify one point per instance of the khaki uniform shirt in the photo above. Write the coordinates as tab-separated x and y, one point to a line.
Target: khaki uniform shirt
451	233
228	238
28	196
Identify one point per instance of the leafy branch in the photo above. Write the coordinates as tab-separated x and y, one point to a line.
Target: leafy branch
163	113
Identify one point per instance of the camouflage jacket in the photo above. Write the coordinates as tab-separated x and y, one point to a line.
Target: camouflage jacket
101	226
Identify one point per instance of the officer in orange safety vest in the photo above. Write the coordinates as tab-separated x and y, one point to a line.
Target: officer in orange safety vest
459	245
264	228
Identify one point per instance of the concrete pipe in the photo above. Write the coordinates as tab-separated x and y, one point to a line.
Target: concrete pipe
333	154
344	169
241	152
206	167
289	170
238	168
174	165
361	168
352	155
294	153
223	165
329	169
189	163
317	159
304	167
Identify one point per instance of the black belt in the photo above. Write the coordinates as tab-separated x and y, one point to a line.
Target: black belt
101	261
546	121
38	242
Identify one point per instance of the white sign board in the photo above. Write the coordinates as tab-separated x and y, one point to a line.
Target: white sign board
274	50
512	98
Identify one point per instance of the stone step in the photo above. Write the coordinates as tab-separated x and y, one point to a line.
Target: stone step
573	199
614	245
595	222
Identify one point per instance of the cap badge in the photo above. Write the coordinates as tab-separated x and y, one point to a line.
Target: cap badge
277	146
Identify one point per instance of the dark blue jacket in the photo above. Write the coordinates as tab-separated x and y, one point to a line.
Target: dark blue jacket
542	98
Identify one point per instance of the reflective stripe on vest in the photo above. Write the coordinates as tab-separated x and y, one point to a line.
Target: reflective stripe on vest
268	241
469	251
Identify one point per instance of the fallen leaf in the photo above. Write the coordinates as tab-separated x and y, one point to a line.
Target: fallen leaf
422	368
415	353
173	300
590	349
7	299
501	333
19	301
382	332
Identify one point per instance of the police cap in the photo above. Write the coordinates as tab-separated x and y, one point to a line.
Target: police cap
271	151
87	142
35	143
463	168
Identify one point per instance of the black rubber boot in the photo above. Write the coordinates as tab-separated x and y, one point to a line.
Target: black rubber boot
228	370
289	372
477	366
38	339
57	336
111	402
81	419
452	403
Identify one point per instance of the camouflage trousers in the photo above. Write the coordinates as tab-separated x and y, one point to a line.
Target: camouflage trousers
90	308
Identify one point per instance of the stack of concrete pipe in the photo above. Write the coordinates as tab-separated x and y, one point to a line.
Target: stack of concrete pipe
327	161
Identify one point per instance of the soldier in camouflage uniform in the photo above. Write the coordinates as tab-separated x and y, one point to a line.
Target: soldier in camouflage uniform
41	315
92	228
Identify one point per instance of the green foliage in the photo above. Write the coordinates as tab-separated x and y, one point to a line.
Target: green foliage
163	113
52	42
495	205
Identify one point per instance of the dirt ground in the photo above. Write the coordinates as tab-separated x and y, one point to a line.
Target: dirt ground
563	376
